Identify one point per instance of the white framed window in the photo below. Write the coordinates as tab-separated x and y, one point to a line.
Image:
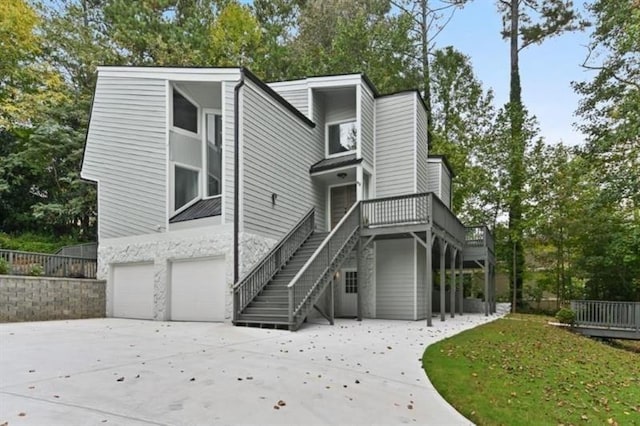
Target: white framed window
351	282
213	153
186	186
341	137
185	113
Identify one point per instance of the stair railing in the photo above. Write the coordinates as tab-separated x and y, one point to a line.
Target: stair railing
322	264
253	283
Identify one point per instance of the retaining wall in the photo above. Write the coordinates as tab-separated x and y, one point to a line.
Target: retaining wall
49	298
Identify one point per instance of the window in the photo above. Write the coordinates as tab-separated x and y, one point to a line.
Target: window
185	114
185	186
351	282
214	154
342	137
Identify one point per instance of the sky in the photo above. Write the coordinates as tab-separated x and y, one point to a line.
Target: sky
547	70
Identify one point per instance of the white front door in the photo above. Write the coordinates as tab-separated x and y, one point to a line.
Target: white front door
348	294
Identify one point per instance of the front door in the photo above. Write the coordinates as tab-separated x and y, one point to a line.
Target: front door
348	294
342	198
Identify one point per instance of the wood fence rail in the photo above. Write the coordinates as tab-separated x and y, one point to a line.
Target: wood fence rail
48	265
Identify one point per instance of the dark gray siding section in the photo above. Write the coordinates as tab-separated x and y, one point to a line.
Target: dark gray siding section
126	153
446	186
433	176
277	151
228	93
395	152
367	106
395	291
421	268
422	148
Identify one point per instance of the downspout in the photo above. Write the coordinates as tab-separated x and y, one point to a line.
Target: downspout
236	178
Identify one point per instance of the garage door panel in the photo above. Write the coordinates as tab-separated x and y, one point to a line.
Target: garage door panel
198	289
133	291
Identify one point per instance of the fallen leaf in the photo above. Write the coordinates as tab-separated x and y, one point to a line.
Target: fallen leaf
193	379
410	407
121	379
22	414
281	403
275	407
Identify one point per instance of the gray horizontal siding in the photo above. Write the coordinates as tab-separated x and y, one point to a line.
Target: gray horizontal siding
422	149
228	180
395	297
395	145
276	156
298	96
367	111
433	177
446	186
421	268
126	153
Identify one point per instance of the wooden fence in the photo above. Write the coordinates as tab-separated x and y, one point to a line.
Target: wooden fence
48	265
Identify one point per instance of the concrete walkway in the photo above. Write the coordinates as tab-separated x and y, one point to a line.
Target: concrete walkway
130	372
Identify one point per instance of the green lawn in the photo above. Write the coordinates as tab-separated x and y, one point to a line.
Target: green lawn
521	371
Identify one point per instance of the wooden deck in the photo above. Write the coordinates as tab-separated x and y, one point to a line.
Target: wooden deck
615	320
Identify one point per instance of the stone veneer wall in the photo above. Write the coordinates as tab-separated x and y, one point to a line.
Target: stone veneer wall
49	298
160	249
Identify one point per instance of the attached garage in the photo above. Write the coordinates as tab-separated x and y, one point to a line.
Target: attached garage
133	290
198	289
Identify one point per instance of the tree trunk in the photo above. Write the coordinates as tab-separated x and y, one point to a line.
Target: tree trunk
516	160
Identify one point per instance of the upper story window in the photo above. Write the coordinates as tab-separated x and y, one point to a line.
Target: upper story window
342	137
185	113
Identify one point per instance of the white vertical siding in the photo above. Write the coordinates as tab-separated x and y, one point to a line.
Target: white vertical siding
395	154
395	291
367	106
126	153
422	149
276	156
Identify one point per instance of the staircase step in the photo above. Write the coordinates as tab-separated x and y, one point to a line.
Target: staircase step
251	310
265	318
269	304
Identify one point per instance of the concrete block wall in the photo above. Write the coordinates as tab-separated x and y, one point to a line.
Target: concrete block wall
49	298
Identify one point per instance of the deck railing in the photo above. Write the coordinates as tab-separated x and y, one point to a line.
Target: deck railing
598	313
446	220
478	236
85	250
49	265
404	209
253	283
320	266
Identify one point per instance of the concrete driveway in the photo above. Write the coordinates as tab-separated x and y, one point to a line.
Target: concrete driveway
130	372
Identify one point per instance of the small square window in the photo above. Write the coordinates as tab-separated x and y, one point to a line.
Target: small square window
351	282
185	114
342	137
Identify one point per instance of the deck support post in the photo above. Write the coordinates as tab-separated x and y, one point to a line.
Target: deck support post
486	286
429	277
493	285
359	266
332	302
443	300
452	298
461	286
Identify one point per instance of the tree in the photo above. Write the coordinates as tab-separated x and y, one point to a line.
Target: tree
526	22
463	116
236	37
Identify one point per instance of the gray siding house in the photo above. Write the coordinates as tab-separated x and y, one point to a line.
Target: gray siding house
223	198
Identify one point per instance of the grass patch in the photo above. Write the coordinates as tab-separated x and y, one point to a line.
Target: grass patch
35	242
521	371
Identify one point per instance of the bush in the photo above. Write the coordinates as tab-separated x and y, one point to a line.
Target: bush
4	267
566	316
36	270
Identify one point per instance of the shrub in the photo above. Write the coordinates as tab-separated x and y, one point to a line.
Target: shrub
36	270
4	267
566	316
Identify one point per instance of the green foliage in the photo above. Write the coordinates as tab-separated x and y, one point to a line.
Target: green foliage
4	267
566	316
521	371
36	270
38	243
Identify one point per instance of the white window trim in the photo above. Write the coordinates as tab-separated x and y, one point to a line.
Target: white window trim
204	188
197	198
198	113
326	138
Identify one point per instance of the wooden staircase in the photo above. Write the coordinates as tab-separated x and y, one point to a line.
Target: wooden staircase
270	307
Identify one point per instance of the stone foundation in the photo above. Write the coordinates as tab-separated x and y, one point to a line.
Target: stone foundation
48	298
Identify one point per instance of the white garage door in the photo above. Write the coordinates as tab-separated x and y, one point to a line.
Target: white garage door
198	289
133	291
